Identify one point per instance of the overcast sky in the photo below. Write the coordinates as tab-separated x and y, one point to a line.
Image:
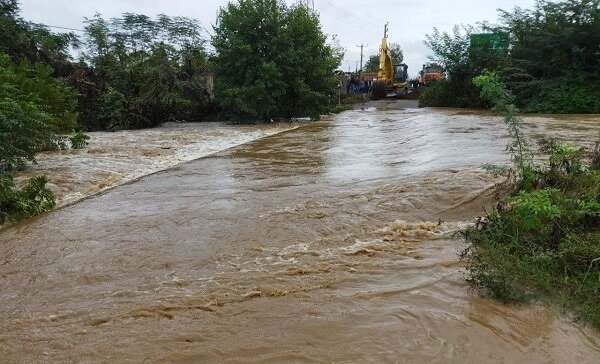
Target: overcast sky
353	21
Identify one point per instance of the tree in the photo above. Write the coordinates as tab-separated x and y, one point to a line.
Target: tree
34	106
554	64
547	56
372	64
397	53
143	72
452	50
272	61
555	38
25	41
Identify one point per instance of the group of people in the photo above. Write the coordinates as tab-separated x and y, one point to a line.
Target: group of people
358	86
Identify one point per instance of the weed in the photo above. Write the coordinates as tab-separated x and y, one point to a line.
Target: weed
79	140
17	204
544	243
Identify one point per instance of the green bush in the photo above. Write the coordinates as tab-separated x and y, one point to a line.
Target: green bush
573	95
79	140
438	94
17	204
544	241
449	93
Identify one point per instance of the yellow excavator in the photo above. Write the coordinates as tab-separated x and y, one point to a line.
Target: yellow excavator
392	79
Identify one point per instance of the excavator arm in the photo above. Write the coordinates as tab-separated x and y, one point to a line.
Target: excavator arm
386	70
390	77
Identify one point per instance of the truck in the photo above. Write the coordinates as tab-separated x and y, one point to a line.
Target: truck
392	79
431	73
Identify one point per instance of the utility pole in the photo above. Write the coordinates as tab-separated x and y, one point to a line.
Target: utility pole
361	57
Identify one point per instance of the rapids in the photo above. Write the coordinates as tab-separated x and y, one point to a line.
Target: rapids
329	243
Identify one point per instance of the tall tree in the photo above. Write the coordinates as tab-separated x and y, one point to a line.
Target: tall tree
25	41
272	61
555	38
397	53
452	50
144	71
372	64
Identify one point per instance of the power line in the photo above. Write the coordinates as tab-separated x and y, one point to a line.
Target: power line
65	28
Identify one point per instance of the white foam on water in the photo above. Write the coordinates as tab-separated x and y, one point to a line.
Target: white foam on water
115	158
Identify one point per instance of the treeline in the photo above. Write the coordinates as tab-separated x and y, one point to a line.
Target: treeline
134	71
270	61
548	56
138	72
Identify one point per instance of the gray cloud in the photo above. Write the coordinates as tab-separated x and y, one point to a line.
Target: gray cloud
353	21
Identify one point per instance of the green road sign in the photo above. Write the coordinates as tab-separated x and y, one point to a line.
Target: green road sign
494	41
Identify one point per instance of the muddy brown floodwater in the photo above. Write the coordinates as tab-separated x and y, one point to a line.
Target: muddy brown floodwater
331	243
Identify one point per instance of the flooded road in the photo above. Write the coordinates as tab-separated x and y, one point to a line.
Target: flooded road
331	243
115	158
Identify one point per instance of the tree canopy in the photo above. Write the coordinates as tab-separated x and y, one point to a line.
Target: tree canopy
272	61
142	71
549	58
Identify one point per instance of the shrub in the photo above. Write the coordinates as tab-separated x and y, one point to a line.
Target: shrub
566	95
544	241
16	204
79	140
450	93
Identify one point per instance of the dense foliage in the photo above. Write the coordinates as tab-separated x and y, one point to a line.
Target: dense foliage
272	61
17	204
34	107
549	60
142	72
25	41
453	52
543	242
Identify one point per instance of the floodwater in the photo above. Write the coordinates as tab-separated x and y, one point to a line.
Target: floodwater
115	158
331	243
